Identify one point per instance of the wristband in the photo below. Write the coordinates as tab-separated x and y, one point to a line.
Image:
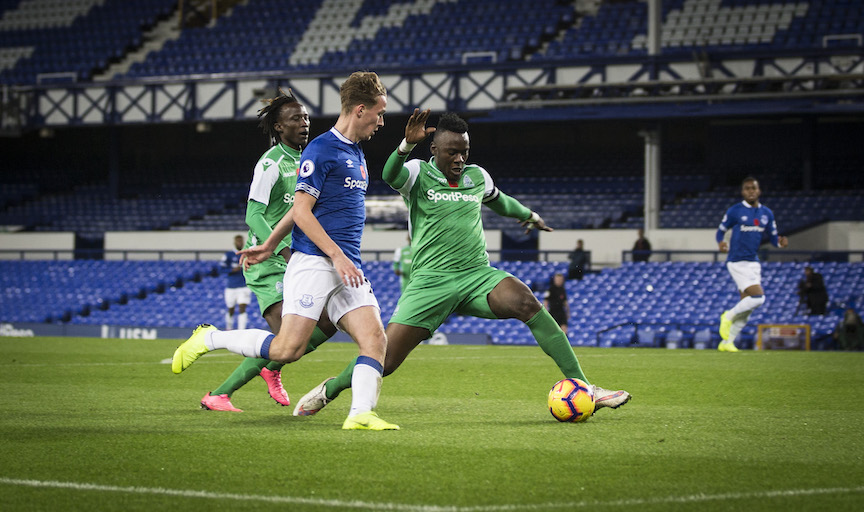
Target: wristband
405	148
533	218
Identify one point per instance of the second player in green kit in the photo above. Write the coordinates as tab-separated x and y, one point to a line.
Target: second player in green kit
271	195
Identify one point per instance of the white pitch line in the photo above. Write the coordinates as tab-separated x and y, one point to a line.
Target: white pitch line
357	504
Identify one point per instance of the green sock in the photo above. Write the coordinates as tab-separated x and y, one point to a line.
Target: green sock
340	383
318	337
248	370
554	342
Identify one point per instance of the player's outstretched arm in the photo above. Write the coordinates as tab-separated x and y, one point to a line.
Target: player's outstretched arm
273	243
534	221
507	206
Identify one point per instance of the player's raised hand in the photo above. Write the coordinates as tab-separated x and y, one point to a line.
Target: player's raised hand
253	255
416	129
534	221
782	242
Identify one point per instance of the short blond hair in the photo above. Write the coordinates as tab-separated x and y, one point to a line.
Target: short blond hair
361	88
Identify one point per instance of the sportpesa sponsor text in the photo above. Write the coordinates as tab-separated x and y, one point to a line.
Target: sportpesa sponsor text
450	196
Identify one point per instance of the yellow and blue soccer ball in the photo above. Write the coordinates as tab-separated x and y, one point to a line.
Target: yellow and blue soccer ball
571	400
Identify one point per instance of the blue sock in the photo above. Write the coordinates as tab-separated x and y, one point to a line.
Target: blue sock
368	361
265	347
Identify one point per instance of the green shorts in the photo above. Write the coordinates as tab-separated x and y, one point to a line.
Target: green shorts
431	297
265	281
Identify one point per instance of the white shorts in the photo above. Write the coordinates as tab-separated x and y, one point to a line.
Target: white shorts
312	284
745	273
235	296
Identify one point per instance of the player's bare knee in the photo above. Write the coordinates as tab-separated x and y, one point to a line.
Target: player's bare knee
527	307
281	350
277	352
294	355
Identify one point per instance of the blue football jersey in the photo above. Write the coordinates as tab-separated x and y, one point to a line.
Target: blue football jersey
333	170
748	225
235	279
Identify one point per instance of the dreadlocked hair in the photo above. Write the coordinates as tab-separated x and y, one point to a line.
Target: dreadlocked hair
270	113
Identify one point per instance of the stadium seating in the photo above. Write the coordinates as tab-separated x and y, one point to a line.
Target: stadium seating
565	202
90	210
794	209
64	291
615	307
81	37
70	39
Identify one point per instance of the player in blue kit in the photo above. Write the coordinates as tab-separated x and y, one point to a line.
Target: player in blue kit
237	295
748	221
325	271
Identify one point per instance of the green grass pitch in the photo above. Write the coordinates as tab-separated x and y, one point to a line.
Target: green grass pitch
91	424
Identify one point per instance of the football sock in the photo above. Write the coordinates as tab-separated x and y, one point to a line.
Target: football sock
738	323
340	383
248	370
251	366
318	337
365	385
229	321
747	304
248	342
242	320
555	344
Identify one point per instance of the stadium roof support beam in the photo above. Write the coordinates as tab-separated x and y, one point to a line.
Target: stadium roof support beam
653	87
703	89
652	178
655	10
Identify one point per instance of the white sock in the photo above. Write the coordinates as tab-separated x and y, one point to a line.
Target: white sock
738	323
747	304
365	385
246	342
229	321
242	320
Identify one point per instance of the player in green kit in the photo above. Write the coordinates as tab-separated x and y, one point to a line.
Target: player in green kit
402	258
286	122
450	268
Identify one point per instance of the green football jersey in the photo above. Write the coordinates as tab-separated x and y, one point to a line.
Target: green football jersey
402	259
273	184
445	222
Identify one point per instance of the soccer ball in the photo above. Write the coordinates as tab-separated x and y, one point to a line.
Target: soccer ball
571	400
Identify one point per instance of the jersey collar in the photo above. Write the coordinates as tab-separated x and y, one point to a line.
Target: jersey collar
341	137
288	150
451	185
746	204
432	163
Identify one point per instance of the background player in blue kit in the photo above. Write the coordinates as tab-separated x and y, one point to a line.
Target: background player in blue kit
748	221
236	293
324	271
